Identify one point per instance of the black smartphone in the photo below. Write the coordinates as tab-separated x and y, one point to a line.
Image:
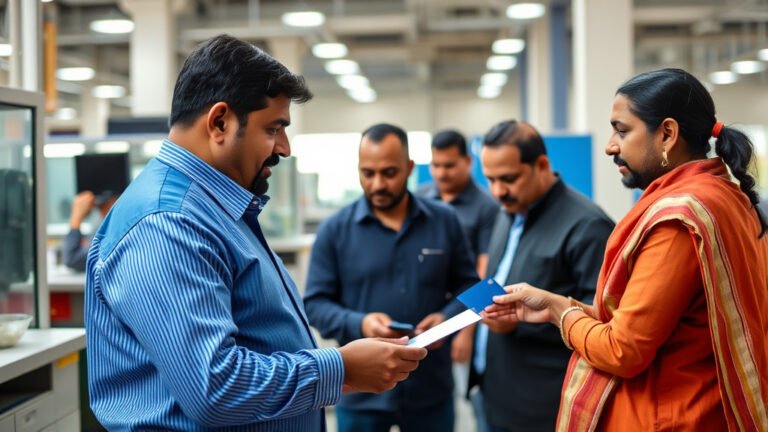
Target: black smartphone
401	327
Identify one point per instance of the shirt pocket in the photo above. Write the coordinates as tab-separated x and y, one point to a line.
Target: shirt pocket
432	266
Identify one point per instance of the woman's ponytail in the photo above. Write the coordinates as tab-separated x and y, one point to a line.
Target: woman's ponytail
736	150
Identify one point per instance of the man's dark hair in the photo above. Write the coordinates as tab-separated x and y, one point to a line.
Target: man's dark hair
530	143
446	139
378	132
225	69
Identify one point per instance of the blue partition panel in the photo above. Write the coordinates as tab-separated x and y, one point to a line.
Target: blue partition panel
571	157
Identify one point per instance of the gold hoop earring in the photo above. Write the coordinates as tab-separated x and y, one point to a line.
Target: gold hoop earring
664	160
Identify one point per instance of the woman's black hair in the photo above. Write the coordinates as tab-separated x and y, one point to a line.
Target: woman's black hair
676	94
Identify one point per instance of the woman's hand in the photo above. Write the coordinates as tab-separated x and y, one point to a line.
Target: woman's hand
525	303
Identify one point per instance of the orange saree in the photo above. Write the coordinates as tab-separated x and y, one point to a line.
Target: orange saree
697	198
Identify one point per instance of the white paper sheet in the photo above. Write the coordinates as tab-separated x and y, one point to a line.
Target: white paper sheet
448	327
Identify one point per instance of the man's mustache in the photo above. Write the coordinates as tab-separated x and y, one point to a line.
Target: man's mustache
271	161
508	199
619	161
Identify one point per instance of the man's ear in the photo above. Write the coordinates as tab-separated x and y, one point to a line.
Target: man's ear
216	122
542	162
670	132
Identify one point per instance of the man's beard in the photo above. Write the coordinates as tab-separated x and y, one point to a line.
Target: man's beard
634	180
396	199
260	184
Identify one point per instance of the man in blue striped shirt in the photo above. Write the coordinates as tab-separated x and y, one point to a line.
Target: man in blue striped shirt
193	323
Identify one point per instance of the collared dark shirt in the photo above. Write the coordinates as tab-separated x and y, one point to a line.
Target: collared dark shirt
476	210
360	266
561	250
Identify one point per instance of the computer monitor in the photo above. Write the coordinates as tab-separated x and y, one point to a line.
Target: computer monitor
103	174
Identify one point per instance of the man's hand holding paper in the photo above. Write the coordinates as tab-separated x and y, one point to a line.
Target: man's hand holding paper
430	321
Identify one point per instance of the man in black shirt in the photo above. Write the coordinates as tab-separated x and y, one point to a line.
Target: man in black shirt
550	236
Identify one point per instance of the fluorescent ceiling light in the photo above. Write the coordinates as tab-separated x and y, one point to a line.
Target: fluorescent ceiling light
75	73
65	113
493	79
46	1
745	67
501	63
352	81
6	50
330	50
151	148
113	147
112	26
108	91
303	19
723	77
362	94
63	150
526	10
508	46
342	67
763	54
489	92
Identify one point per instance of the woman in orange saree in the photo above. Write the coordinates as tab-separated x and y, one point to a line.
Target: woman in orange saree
678	335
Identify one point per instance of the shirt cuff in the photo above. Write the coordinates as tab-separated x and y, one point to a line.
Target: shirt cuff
330	368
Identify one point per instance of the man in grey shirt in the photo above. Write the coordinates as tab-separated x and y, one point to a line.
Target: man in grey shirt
476	209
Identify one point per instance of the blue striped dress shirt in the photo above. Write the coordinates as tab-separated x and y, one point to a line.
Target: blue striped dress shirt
192	321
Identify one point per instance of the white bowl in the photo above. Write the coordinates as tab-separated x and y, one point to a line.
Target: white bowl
12	327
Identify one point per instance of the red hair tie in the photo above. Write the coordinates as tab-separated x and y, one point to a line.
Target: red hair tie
716	129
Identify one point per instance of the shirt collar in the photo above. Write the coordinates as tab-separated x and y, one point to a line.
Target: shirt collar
464	196
226	192
538	207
